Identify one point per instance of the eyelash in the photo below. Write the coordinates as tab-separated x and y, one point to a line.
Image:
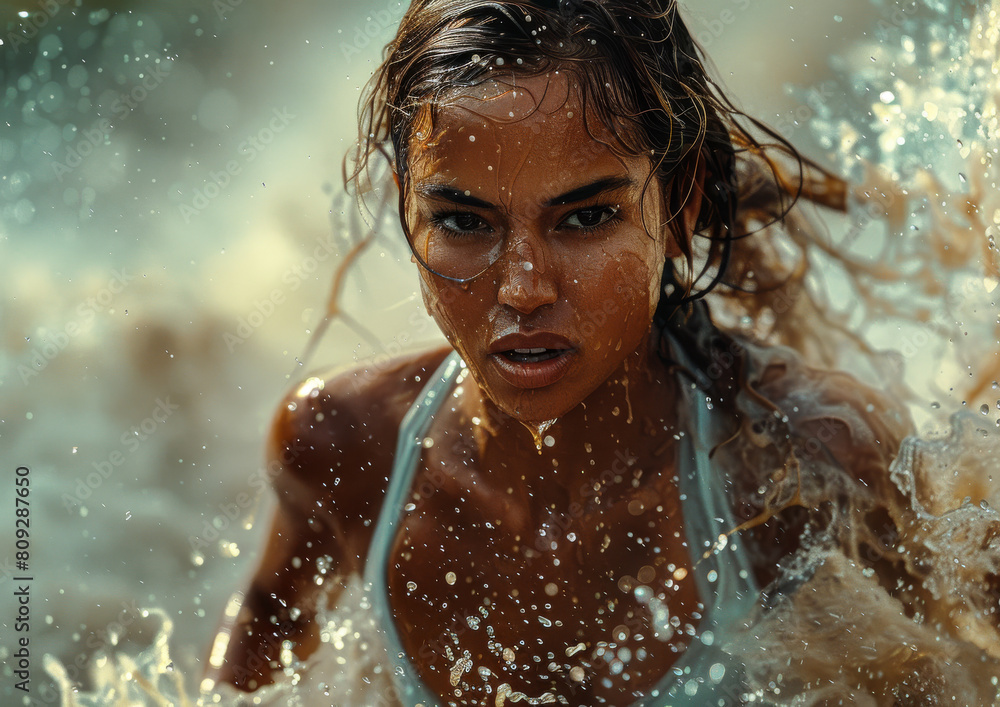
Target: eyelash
438	219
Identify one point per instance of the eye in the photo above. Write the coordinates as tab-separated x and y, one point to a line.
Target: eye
460	223
592	218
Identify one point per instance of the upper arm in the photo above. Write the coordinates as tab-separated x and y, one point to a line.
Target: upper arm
814	448
328	478
330	454
833	417
329	471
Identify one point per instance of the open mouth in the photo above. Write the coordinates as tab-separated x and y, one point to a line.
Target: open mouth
534	367
532	355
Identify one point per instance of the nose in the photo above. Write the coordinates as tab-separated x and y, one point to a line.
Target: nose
527	280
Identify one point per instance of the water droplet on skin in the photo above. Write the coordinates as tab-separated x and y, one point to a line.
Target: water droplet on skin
411	586
538	431
550	441
528	266
985	409
450	578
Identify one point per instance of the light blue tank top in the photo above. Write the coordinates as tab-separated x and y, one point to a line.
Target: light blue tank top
704	675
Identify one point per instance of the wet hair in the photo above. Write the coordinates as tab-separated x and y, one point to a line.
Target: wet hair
641	74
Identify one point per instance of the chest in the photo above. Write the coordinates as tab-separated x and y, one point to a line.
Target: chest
577	593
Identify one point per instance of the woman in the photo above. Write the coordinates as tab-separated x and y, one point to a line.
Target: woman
585	496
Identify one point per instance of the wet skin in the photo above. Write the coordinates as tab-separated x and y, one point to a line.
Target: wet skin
543	547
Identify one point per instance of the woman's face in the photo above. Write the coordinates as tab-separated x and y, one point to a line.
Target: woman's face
571	294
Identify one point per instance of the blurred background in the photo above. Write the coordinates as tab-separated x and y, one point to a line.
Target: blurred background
169	174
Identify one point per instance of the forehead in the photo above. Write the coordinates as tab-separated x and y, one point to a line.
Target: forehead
517	123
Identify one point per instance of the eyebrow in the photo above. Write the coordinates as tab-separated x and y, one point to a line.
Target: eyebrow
447	193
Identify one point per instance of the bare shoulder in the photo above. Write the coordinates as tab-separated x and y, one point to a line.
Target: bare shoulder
829	411
333	439
806	438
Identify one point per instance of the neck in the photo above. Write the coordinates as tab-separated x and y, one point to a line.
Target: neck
630	415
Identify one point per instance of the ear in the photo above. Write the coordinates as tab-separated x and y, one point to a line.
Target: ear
691	190
695	191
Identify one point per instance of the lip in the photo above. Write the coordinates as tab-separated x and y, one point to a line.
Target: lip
534	374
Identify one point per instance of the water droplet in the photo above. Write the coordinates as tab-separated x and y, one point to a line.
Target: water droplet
717	672
450	578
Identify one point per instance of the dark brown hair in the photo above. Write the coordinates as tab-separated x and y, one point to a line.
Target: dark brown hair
641	73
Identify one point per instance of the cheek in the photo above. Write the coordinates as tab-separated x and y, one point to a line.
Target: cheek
453	310
636	279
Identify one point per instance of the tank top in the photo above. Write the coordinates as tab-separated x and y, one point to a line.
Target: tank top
704	675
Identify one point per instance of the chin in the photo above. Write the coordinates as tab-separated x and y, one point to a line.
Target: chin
538	405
